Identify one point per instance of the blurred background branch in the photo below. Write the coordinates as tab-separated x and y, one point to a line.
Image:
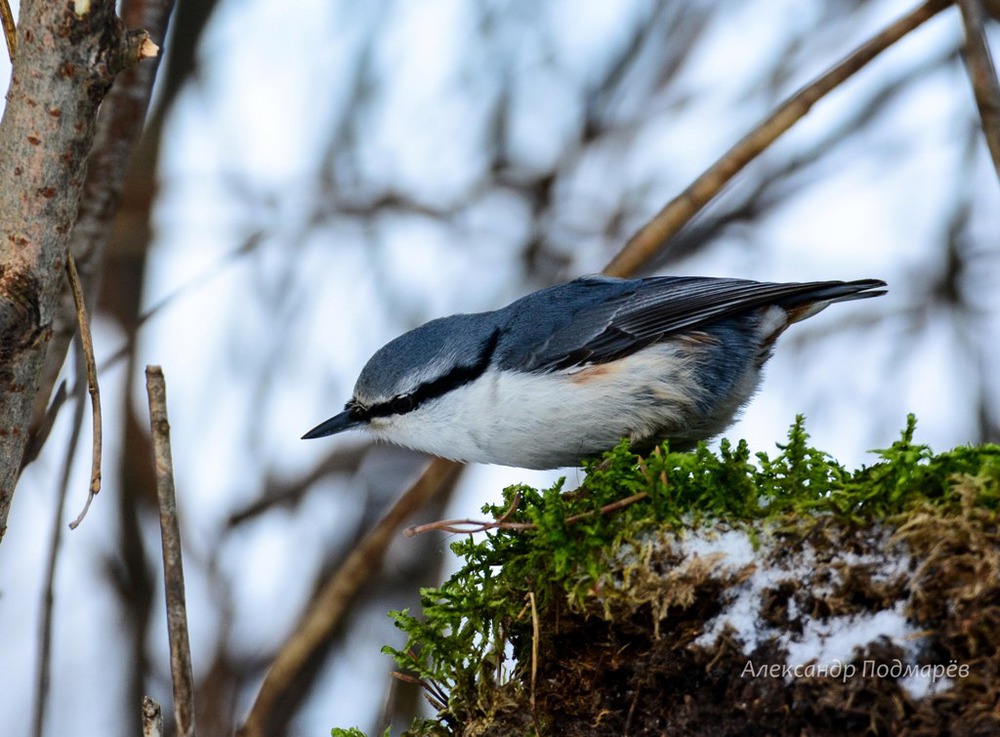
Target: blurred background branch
652	237
982	74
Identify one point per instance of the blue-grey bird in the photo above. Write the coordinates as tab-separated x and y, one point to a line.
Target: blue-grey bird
566	372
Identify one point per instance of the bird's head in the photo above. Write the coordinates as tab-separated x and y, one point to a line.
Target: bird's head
408	375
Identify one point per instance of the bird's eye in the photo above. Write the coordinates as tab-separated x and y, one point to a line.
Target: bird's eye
357	411
402	404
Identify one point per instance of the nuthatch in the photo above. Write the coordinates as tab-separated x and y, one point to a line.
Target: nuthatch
566	372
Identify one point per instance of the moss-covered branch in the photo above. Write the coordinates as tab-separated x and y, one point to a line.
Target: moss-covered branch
767	590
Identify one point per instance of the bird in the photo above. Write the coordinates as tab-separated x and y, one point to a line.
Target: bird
564	373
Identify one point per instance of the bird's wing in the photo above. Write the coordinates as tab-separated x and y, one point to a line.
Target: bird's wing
658	307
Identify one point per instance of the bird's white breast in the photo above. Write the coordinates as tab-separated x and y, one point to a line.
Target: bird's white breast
556	419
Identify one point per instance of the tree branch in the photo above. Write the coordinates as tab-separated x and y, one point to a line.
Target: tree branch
173	568
328	609
67	56
119	125
642	246
983	75
87	347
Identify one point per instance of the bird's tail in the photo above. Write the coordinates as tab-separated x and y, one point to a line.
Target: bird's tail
810	301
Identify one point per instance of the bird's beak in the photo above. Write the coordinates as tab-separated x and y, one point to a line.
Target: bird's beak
341	422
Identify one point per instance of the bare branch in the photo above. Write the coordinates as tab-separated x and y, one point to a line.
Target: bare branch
87	341
331	604
642	246
982	74
173	568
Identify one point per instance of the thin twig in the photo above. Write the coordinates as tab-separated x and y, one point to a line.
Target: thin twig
458	525
9	28
95	391
469	526
982	75
331	604
173	567
432	691
152	718
651	237
42	430
48	596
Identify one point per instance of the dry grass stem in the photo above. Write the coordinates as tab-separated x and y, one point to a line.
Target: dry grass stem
535	637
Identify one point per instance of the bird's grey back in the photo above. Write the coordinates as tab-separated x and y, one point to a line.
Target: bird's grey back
600	319
593	319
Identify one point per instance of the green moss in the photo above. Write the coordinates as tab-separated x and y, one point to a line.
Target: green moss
556	546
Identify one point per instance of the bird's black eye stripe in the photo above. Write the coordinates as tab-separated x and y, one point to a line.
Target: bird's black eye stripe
458	376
